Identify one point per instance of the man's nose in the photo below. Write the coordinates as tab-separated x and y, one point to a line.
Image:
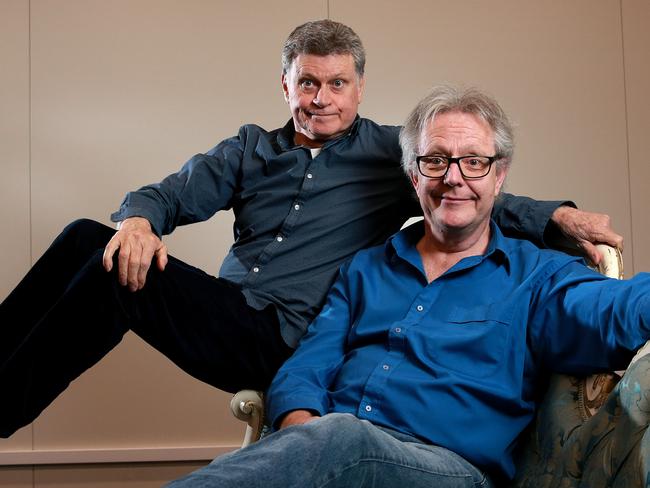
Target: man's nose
453	177
322	97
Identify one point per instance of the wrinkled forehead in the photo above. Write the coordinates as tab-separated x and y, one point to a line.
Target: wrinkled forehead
456	133
341	63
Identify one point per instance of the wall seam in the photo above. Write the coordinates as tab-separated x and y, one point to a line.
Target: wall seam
627	137
29	170
29	127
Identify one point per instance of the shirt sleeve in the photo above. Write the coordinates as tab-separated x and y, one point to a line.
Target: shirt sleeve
204	185
587	322
303	381
526	218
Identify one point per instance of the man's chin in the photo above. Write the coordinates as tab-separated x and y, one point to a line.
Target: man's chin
455	222
323	134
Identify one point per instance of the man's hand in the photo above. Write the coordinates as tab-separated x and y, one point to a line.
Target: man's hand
297	417
587	229
137	246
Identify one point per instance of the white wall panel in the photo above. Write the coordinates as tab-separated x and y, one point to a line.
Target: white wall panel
555	66
636	18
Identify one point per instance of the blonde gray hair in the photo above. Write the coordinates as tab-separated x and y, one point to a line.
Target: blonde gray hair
447	98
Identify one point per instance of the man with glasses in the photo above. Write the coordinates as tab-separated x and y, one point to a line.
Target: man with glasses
306	197
421	370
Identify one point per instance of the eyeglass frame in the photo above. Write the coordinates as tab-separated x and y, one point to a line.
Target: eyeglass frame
450	161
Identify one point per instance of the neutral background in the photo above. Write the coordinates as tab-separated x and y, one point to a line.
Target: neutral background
97	98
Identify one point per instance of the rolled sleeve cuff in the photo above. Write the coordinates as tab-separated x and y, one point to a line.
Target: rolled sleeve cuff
152	214
280	405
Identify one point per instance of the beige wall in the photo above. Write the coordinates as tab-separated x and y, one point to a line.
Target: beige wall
101	97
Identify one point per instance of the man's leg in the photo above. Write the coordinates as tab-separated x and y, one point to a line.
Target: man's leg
68	312
338	450
47	280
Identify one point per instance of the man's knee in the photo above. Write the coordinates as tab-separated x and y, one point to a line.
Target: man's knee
340	432
86	233
81	227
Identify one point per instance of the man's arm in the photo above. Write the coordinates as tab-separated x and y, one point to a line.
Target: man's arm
584	229
203	186
299	391
583	322
555	224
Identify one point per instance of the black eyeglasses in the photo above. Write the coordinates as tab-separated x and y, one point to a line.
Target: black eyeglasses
471	167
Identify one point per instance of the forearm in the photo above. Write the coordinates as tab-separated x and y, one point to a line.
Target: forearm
203	186
587	322
526	218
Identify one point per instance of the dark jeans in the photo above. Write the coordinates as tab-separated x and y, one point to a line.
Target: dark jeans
68	312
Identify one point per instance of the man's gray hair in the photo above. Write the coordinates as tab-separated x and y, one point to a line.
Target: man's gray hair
323	37
446	98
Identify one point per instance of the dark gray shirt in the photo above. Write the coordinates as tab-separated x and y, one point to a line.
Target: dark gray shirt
298	218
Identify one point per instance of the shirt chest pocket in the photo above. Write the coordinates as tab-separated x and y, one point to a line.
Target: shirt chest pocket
470	341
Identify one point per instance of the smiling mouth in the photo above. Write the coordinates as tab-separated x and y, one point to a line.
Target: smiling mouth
317	114
453	200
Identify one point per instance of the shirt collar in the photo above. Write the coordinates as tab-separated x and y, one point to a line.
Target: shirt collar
402	246
287	133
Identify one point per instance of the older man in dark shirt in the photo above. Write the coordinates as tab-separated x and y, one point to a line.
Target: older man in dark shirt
306	197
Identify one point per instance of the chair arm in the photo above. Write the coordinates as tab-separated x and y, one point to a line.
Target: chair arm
248	406
612	262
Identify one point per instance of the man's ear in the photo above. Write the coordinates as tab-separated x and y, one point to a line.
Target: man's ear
361	85
285	88
414	179
502	172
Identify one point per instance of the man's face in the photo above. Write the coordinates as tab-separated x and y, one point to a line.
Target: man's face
323	93
454	205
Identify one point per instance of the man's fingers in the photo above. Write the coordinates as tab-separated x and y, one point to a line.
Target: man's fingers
144	263
613	239
134	265
590	250
161	257
107	258
123	264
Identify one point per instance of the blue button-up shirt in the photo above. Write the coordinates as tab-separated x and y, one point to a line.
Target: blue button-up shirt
298	217
456	361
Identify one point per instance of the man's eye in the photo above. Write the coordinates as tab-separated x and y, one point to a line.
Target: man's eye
307	84
433	161
339	83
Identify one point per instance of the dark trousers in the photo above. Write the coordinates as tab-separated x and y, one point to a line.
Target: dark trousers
68	312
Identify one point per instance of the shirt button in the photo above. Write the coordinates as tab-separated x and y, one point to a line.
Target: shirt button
386	367
296	207
256	269
420	308
398	329
279	238
309	176
368	408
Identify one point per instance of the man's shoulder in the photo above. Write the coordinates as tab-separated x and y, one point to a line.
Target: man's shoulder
249	130
368	257
371	125
526	252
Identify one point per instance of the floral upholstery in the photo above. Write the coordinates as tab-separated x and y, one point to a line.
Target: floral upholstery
591	433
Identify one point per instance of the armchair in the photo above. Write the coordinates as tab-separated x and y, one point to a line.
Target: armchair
588	432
